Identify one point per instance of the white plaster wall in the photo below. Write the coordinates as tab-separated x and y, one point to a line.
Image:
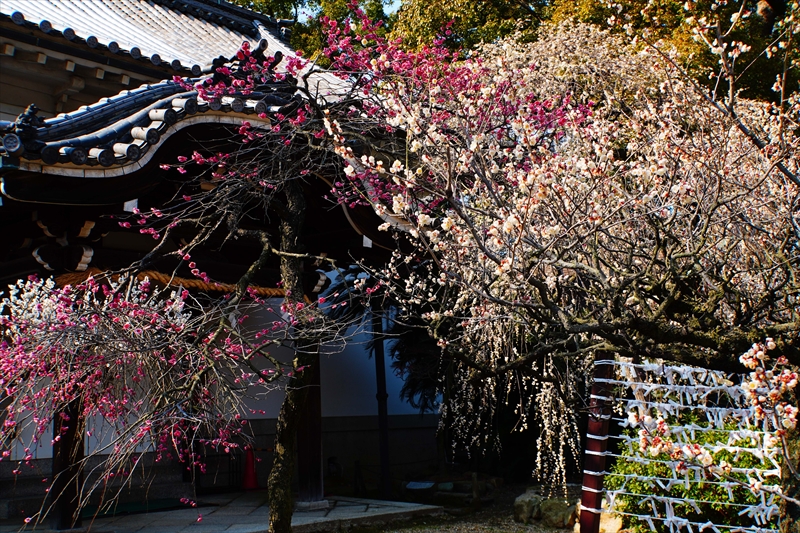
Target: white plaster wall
349	383
347	379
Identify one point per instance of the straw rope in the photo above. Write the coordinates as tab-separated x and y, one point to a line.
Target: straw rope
168	280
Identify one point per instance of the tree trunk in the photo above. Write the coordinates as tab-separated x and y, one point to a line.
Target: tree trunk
790	483
279	484
68	453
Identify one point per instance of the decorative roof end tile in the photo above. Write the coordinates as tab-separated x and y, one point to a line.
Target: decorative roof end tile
104	156
76	154
131	151
12	144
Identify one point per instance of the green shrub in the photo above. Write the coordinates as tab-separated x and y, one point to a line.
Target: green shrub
711	498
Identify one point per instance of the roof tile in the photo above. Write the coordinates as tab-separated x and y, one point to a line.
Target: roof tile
139	27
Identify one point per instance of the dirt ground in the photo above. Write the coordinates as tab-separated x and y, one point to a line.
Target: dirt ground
494	518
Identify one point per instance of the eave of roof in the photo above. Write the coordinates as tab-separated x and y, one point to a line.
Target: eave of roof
119	136
157	112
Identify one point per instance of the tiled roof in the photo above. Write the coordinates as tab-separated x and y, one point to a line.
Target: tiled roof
180	33
120	134
113	137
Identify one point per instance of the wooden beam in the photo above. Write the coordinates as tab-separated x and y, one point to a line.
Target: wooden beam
309	445
385	488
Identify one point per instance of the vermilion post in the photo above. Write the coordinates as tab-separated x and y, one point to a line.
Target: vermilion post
594	460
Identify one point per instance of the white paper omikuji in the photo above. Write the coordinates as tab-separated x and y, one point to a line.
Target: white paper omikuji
668	391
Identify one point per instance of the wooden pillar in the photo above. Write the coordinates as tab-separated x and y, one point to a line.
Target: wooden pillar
594	460
385	487
309	443
68	453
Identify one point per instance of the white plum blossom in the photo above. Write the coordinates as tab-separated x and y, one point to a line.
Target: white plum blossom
424	219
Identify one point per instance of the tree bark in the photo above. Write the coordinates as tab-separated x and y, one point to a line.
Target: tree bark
68	453
279	484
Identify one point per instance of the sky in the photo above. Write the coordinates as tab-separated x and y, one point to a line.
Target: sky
390	8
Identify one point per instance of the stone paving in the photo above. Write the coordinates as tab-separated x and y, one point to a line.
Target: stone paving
247	513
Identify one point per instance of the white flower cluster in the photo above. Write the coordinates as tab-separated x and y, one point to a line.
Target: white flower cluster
767	388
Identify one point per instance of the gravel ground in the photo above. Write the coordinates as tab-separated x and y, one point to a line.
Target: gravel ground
494	518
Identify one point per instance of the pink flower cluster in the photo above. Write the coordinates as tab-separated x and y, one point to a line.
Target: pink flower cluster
125	353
